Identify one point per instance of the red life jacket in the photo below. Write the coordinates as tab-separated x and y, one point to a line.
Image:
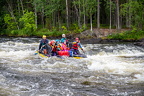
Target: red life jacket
63	53
75	46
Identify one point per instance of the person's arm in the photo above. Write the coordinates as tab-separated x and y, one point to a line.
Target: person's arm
47	41
80	46
40	45
62	40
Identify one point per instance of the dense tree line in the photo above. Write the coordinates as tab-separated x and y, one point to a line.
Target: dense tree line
23	17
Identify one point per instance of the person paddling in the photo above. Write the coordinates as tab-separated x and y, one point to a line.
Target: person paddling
54	47
75	45
63	38
42	44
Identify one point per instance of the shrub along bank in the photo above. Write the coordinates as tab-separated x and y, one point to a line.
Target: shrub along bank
128	35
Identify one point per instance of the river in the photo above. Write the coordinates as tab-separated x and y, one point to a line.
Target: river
110	70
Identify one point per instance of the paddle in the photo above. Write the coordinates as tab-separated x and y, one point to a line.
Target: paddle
38	51
82	50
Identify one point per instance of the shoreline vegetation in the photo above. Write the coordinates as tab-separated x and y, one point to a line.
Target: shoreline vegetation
103	33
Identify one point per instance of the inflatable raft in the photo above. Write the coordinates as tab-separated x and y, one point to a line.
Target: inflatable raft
64	53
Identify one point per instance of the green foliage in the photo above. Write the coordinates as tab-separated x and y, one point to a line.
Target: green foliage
135	9
28	23
53	6
84	27
64	28
76	28
91	7
11	25
107	6
51	14
128	35
54	32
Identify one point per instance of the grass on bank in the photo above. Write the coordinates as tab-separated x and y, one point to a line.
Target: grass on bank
128	35
50	33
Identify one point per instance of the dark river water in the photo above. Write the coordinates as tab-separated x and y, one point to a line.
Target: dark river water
109	70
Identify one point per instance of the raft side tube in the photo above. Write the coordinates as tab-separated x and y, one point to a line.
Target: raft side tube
80	55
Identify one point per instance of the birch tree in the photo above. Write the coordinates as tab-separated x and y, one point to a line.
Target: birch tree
35	6
98	14
118	20
11	11
90	10
78	11
110	16
22	6
67	14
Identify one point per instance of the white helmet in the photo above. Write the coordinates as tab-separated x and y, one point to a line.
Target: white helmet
63	35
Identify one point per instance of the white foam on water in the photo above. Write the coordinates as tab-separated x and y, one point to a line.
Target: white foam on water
2	78
114	64
17	50
138	78
16	55
109	59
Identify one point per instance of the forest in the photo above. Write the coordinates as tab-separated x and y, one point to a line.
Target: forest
54	17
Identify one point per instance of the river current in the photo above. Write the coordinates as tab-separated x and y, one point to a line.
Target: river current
110	70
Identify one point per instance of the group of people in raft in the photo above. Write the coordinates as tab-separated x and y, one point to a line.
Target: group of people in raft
60	47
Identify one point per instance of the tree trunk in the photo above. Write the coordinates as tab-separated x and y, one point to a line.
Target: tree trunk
118	20
142	26
67	14
79	21
77	13
98	14
22	7
84	13
54	19
129	25
18	7
35	14
91	22
110	17
43	17
12	14
59	21
127	20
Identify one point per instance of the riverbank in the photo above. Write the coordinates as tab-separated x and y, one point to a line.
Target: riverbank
93	40
96	36
113	36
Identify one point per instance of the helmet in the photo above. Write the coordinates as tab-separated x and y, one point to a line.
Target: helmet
76	38
51	42
44	36
63	35
57	41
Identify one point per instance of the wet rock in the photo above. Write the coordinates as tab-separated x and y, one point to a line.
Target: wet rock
99	40
140	43
86	83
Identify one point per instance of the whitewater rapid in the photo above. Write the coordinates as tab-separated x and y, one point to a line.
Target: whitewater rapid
110	69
